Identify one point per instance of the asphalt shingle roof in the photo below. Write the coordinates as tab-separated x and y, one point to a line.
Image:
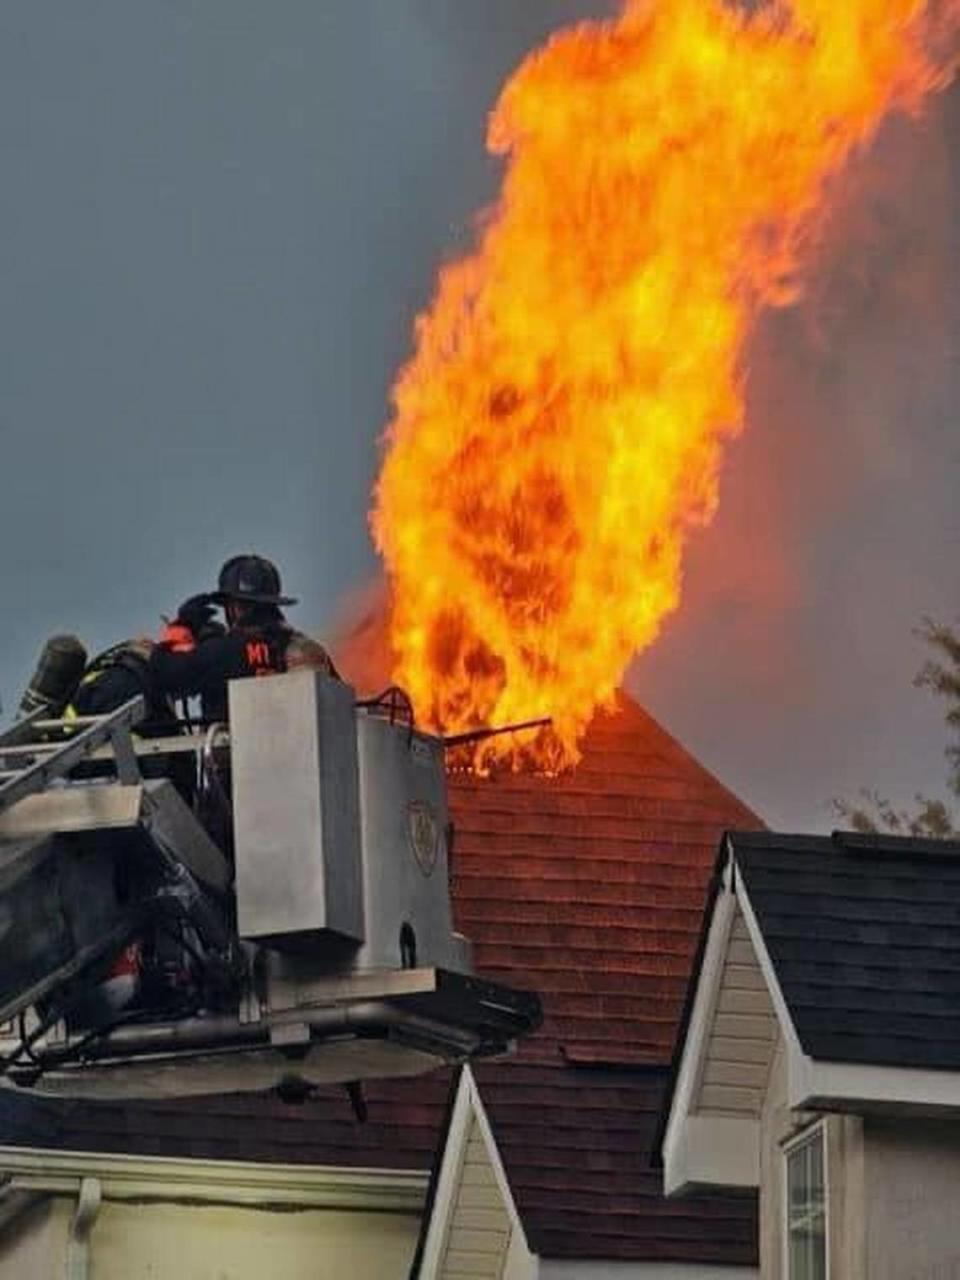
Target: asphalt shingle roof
864	936
588	889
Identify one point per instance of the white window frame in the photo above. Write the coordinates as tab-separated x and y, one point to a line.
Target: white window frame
813	1132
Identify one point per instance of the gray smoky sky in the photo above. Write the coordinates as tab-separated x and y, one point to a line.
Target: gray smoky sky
789	666
218	221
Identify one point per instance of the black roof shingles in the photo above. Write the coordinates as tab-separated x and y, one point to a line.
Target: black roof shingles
863	933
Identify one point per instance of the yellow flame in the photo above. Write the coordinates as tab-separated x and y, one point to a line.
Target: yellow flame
559	431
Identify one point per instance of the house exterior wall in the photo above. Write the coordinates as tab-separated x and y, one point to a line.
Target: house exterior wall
846	1188
34	1245
114	1217
913	1199
474	1231
737	1059
480	1227
217	1241
893	1191
169	1241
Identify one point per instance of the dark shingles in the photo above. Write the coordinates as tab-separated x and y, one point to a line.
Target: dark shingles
864	936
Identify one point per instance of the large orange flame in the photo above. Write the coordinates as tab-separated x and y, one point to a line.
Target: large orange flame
559	431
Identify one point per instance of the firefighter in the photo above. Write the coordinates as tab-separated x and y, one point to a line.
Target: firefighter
197	658
116	676
113	678
152	968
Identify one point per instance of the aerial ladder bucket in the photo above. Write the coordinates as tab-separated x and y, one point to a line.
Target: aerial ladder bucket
282	885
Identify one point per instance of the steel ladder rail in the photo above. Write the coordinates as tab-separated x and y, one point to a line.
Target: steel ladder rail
49	761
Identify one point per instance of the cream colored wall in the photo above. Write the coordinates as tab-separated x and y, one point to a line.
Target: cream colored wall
744	1031
845	1181
165	1241
474	1231
479	1232
34	1245
913	1199
846	1214
520	1263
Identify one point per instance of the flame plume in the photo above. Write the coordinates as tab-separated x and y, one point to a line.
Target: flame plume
559	431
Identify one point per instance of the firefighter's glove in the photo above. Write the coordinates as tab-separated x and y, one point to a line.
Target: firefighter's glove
197	615
211	630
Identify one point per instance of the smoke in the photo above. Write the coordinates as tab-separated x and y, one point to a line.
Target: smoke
361	637
789	666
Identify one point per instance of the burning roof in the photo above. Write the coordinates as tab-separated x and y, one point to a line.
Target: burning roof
559	431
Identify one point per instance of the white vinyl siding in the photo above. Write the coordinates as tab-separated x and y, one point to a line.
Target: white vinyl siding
737	1061
479	1232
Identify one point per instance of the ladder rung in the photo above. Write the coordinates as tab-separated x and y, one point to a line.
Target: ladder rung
115	727
156	747
142	746
20	728
71	723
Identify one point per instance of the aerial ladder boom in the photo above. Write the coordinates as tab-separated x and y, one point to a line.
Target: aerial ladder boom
295	889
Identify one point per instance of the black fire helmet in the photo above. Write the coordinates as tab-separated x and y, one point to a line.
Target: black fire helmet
250	579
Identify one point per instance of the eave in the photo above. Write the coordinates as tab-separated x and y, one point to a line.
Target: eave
704	1149
233	1182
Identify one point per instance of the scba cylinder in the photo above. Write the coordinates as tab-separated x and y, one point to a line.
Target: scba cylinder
58	671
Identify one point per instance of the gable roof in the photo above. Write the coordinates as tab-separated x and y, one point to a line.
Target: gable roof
471	1226
863	933
589	889
576	1143
845	950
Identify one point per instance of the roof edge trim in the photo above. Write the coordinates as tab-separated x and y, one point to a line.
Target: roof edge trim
467	1107
678	1147
713	1152
787	1028
235	1182
604	1269
858	1087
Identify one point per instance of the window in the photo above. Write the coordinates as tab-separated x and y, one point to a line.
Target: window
806	1218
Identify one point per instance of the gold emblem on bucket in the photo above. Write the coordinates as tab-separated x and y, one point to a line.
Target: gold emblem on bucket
424	834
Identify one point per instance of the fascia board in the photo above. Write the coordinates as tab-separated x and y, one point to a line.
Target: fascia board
715	1151
799	1064
451	1169
676	1143
787	1029
856	1087
468	1106
234	1182
500	1173
604	1269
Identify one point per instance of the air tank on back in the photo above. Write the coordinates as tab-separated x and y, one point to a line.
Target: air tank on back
59	668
